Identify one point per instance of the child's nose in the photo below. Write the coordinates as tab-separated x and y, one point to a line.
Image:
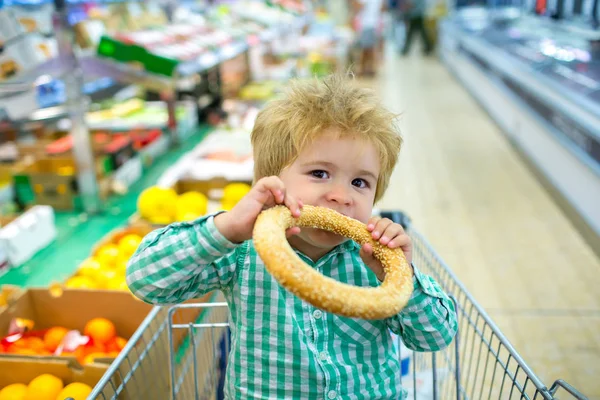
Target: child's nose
339	194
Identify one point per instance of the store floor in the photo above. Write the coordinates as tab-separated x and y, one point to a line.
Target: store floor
471	195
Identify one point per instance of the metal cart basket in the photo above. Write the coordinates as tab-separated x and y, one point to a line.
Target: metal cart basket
180	352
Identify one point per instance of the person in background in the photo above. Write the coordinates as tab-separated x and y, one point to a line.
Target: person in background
368	24
414	11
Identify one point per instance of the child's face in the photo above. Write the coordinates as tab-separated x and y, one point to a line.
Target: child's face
338	173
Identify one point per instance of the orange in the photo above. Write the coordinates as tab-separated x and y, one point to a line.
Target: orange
76	391
117	344
25	352
100	330
43	387
89	359
53	337
34	343
16	391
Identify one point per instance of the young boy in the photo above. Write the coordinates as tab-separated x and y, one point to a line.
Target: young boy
325	143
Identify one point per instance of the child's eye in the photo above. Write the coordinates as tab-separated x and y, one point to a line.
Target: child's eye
319	174
360	183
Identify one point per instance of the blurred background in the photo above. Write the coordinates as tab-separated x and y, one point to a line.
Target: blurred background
118	117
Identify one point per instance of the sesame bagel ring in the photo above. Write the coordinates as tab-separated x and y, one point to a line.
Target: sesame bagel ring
295	275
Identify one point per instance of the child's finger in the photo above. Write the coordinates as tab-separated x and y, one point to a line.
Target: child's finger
292	231
399	241
366	253
380	227
272	186
391	231
371	223
294	205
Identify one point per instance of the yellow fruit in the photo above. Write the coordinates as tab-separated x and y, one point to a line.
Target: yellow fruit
121	267
158	205
227	205
129	244
117	283
53	337
80	282
104	276
44	387
108	255
76	391
89	268
100	329
233	192
16	391
190	206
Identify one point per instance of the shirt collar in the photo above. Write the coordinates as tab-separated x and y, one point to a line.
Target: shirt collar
348	246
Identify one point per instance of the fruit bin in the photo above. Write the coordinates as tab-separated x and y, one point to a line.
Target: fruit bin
187	200
43	323
105	268
47	378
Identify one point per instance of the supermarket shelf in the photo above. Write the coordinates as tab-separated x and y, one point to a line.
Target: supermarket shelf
78	232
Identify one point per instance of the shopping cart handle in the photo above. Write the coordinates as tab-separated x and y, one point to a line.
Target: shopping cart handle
398	217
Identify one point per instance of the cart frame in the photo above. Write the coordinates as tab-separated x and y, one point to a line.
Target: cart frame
480	363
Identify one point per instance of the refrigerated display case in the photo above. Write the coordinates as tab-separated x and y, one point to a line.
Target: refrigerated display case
540	80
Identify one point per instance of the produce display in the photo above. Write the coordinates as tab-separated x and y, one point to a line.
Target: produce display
97	341
45	387
83	315
162	206
105	268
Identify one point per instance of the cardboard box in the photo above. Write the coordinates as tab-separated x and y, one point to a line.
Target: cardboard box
23	370
9	294
74	308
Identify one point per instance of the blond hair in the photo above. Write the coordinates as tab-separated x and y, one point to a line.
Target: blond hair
307	109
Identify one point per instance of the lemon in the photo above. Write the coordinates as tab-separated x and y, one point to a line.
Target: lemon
158	205
89	268
44	387
117	283
80	282
190	206
75	391
16	391
233	192
128	244
227	205
106	275
108	255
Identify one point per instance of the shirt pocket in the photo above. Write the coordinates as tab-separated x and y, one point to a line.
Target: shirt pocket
358	331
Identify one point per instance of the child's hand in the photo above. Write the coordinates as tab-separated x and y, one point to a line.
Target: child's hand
237	224
388	234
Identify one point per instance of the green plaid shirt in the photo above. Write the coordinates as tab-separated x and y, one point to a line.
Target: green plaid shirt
282	347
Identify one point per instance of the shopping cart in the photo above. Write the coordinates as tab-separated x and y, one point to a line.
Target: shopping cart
180	352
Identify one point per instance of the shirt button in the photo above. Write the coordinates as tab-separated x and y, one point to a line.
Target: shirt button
317	314
323	355
332	394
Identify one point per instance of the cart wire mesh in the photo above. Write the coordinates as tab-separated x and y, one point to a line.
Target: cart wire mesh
181	351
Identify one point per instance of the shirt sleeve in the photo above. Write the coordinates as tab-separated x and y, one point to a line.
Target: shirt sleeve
429	321
182	261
